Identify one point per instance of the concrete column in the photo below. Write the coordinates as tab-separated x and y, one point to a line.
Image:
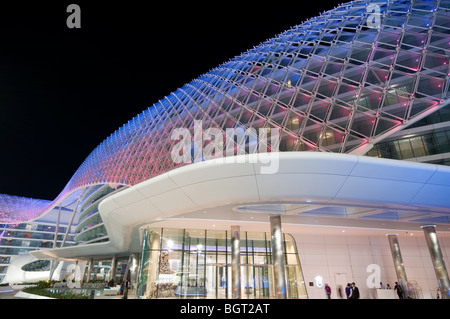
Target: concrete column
235	262
438	260
278	257
398	263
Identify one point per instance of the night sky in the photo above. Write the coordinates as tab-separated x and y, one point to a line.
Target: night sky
63	91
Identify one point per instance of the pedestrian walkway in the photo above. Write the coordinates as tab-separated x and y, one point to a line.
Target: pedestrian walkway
131	295
8	292
5	289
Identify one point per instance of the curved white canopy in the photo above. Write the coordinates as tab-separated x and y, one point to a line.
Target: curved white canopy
354	189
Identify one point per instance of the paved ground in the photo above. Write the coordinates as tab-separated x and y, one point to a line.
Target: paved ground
9	293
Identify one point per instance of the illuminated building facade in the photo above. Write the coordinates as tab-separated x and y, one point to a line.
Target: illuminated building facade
366	79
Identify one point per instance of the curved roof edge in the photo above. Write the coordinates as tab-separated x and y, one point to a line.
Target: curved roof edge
309	178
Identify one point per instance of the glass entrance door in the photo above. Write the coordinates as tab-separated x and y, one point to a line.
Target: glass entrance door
263	281
217	277
257	281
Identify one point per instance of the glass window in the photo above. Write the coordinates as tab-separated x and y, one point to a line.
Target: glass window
354	73
370	99
326	88
428	141
443	141
418	147
437	62
312	131
172	239
405	148
431	86
347	93
394	149
331	137
340	115
363	123
301	101
333	69
319	108
196	263
383	56
38	265
389	37
294	122
408	59
419	19
442	20
414	39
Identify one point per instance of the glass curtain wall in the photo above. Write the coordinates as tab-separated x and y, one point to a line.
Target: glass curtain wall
188	263
101	271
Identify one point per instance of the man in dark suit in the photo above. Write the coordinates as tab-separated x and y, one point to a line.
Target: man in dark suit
399	290
355	291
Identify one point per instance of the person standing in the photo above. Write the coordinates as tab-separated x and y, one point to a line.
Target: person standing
399	290
328	291
126	285
339	290
355	291
348	291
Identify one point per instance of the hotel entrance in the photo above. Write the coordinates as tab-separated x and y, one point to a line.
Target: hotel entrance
186	263
258	281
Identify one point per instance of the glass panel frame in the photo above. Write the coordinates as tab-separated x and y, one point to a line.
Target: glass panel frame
190	263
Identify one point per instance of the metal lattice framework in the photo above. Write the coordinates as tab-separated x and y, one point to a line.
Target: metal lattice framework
339	82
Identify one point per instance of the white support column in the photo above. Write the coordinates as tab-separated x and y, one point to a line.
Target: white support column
57	227
235	262
278	257
71	219
398	263
53	265
133	269
438	260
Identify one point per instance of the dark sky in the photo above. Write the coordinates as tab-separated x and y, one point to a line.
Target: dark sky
63	91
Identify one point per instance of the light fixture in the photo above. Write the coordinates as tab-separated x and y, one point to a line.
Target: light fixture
319	281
